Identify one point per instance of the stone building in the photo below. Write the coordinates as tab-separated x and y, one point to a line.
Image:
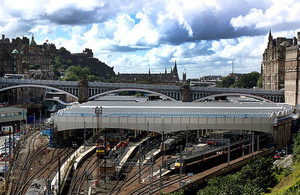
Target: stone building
280	67
292	62
15	58
274	62
18	54
7	63
162	78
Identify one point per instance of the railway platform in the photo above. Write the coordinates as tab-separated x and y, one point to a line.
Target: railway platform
196	179
71	163
127	153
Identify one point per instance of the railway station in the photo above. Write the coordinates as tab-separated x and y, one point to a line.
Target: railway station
132	145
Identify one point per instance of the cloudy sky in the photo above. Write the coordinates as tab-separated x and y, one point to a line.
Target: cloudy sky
203	36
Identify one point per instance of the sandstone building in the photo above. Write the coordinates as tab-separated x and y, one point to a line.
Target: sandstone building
18	54
161	78
280	67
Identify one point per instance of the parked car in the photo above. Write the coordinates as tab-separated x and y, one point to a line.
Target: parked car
277	156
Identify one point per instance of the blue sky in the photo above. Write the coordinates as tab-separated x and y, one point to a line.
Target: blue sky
204	37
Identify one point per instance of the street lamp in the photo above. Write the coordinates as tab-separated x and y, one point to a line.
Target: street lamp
98	112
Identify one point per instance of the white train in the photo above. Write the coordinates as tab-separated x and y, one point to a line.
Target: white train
37	187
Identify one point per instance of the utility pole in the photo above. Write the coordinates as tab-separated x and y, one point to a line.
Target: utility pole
58	175
34	121
148	136
252	143
105	156
98	112
13	138
180	165
140	162
151	175
257	142
40	120
160	183
84	133
228	152
9	142
186	140
5	160
163	149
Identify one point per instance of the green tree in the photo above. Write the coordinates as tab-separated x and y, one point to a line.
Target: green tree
260	80
75	73
254	178
247	80
92	78
259	173
226	82
296	148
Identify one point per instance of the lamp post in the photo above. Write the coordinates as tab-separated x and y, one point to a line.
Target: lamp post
40	126
34	121
84	133
98	112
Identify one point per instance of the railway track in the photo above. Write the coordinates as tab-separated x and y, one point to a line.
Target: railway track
29	166
131	176
30	156
46	171
79	175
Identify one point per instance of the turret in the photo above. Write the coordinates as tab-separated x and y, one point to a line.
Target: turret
270	44
175	71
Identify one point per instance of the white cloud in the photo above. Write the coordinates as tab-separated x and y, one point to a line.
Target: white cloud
279	13
133	36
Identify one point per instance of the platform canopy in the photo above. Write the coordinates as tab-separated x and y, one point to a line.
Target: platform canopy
170	116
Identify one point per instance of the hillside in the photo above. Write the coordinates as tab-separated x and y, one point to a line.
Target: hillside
62	59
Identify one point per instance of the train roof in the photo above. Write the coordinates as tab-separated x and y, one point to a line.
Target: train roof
168	141
37	187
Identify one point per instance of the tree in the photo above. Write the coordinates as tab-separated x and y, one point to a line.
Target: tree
260	80
75	73
254	178
247	80
226	82
296	148
259	173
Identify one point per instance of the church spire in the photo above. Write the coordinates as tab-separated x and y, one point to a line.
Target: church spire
270	44
175	71
32	42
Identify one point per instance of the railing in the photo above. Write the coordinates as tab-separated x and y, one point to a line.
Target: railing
174	115
141	86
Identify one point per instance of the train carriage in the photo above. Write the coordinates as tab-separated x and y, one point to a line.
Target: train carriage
102	147
37	187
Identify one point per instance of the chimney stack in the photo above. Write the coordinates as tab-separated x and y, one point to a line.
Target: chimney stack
294	41
3	37
298	38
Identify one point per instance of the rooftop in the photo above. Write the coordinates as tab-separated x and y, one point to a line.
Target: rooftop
118	105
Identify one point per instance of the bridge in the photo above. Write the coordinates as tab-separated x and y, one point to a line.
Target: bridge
172	116
92	90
